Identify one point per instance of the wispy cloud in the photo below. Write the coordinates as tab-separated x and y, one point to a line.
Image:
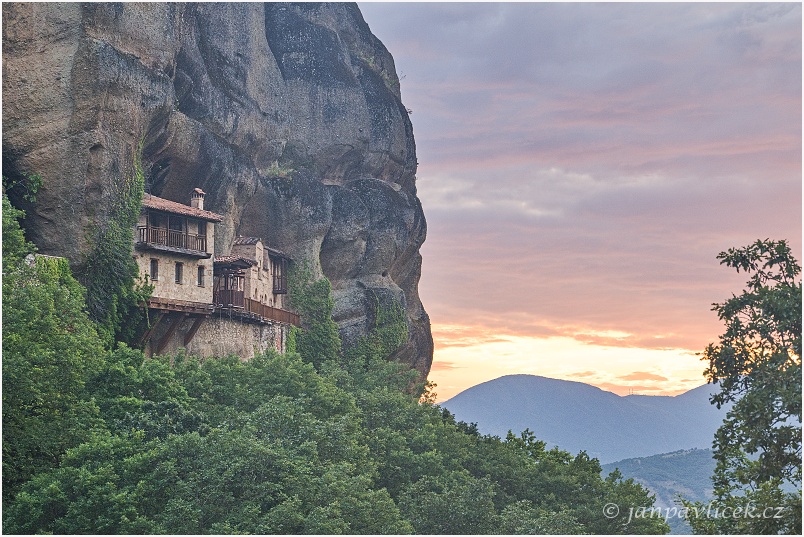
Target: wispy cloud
643	375
638	389
440	365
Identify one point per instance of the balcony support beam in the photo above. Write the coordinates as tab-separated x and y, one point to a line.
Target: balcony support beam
191	334
148	333
174	325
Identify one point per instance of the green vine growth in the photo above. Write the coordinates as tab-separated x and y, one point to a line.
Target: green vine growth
317	341
114	289
389	333
24	186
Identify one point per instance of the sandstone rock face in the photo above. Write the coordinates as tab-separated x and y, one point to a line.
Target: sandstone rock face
288	116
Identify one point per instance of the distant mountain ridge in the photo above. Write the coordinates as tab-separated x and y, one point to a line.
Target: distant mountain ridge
576	416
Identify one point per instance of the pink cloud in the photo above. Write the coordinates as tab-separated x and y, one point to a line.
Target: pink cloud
642	375
623	389
442	365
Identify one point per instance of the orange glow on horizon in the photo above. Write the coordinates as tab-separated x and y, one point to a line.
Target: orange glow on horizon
466	356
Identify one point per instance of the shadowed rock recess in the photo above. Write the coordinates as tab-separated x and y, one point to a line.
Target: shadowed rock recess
288	116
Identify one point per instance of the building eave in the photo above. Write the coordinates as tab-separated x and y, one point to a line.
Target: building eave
155	203
172	250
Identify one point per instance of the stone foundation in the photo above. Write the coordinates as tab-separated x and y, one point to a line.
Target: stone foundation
219	335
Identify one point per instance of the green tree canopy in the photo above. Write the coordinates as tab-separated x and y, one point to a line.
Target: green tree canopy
757	364
50	350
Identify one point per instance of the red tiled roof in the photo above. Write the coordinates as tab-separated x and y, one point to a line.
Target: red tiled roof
277	253
253	240
246	240
161	204
234	259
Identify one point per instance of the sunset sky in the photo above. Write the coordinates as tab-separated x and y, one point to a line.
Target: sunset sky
580	168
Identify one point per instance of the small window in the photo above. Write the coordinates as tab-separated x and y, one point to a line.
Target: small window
154	269
201	276
179	272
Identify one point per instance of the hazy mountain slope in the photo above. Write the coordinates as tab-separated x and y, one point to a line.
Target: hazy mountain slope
577	416
686	473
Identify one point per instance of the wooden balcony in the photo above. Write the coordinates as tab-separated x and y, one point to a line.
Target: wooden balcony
228	298
171	240
254	310
184	306
274	314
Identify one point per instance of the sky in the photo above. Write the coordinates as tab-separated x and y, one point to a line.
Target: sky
580	168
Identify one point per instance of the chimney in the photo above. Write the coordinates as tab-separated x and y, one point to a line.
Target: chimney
197	198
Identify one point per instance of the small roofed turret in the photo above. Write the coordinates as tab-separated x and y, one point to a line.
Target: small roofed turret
197	198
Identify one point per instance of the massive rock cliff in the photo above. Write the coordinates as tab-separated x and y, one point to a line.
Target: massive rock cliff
288	116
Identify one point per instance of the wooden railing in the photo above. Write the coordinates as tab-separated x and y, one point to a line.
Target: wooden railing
172	238
186	306
226	298
268	312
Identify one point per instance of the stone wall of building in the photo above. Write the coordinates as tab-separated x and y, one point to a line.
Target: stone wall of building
165	286
192	288
259	281
219	335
